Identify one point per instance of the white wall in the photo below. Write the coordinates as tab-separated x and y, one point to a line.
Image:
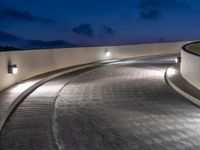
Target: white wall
35	62
190	68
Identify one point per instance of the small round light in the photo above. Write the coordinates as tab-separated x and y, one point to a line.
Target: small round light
107	53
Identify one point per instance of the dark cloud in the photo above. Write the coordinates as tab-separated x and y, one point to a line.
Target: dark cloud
7	14
8	48
17	41
49	44
6	37
84	29
156	3
151	14
153	9
108	30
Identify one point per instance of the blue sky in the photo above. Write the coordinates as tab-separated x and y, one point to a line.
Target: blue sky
34	24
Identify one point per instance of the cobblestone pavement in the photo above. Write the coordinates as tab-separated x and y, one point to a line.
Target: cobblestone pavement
30	126
122	106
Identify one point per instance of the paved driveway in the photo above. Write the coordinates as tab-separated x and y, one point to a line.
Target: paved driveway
121	106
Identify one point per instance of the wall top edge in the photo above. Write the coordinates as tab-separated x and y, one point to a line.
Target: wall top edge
93	47
192	48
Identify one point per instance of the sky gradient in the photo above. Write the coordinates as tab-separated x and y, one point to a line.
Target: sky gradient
70	23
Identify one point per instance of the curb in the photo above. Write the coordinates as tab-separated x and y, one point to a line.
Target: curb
188	96
33	87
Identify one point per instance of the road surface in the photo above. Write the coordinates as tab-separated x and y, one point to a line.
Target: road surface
124	105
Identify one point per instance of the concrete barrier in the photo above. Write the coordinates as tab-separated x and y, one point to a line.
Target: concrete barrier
31	63
190	69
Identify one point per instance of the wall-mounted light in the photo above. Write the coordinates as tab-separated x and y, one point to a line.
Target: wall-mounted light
12	69
107	53
178	59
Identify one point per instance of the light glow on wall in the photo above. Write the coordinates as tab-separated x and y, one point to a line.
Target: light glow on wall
171	71
22	87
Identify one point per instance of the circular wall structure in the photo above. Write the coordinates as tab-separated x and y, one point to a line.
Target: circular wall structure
190	63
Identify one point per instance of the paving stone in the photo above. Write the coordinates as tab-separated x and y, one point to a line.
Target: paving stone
30	126
125	104
122	106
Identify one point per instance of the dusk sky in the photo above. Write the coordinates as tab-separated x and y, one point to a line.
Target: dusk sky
30	24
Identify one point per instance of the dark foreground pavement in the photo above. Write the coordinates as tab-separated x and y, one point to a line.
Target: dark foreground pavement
122	106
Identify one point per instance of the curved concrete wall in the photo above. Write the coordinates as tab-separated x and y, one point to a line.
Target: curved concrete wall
190	68
31	63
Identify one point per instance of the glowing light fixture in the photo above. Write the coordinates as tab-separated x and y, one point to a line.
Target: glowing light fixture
178	59
13	69
107	53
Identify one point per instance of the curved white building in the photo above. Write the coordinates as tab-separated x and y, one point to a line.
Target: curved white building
190	63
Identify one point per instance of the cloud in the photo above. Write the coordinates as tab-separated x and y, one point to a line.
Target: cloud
108	30
49	44
17	41
8	48
151	14
156	3
153	9
10	14
6	37
84	29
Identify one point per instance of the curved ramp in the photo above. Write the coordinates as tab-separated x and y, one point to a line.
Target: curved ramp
123	105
